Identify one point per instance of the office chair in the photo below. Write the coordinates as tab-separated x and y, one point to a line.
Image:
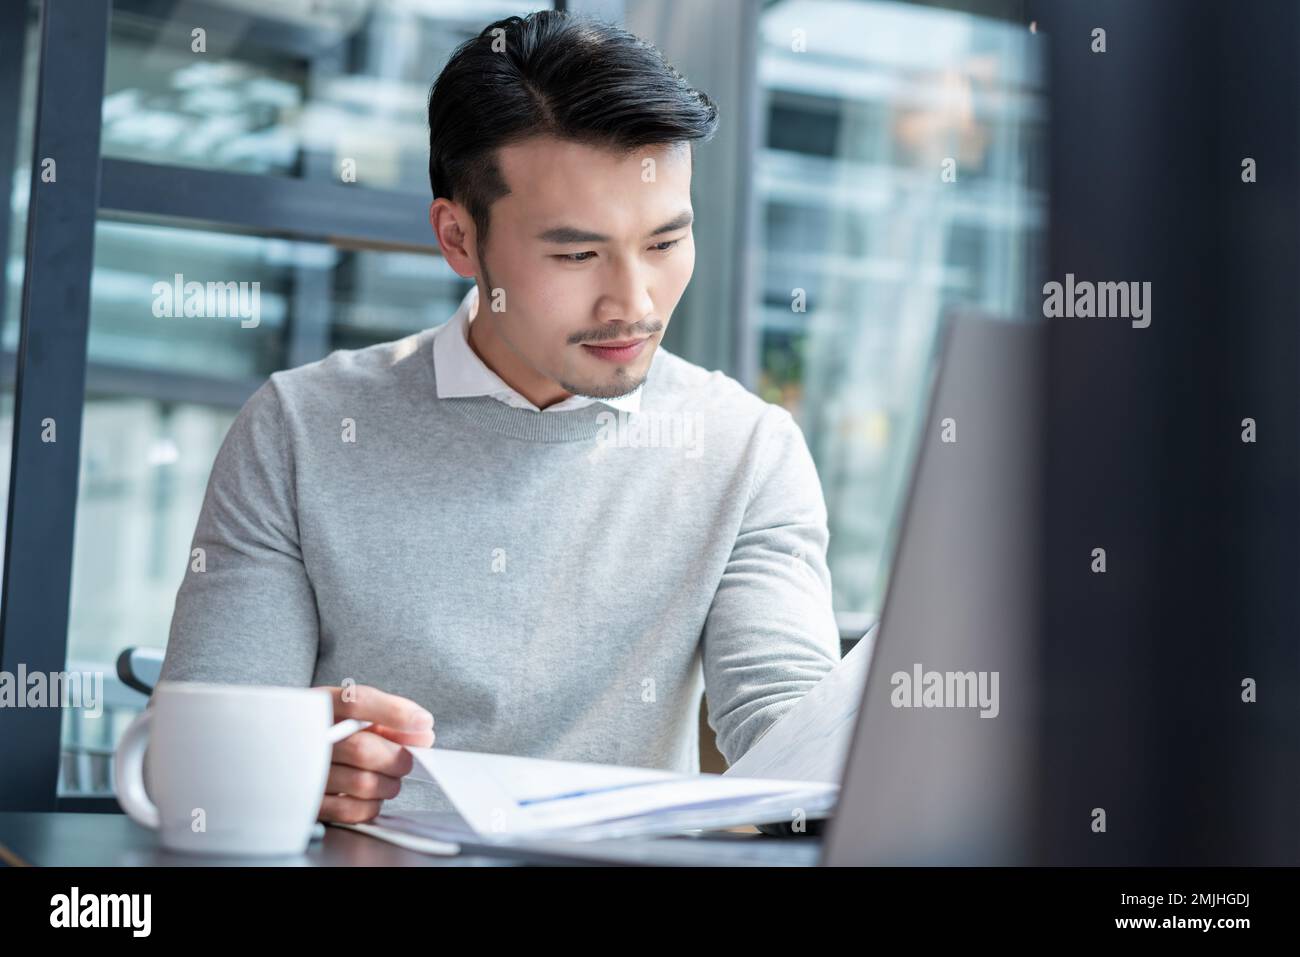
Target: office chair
139	668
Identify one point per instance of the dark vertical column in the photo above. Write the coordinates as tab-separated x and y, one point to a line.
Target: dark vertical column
1256	562
50	385
1145	662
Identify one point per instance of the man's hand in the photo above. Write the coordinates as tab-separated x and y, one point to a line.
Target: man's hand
367	767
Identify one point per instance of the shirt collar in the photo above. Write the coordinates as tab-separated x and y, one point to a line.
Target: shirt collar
460	373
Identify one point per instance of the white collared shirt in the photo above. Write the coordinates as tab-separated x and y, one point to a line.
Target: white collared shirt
461	373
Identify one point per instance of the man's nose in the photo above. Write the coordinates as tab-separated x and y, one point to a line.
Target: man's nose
627	297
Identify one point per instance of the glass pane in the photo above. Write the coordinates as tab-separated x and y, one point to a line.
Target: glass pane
144	469
139	305
161	392
257	296
294	94
900	175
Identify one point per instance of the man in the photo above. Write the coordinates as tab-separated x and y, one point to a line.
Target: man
530	521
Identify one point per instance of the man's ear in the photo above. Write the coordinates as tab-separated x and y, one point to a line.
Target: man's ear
454	230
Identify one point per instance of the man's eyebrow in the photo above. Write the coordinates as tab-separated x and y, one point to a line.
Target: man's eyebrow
571	234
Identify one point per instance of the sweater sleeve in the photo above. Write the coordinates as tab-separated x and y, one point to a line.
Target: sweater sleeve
770	634
246	612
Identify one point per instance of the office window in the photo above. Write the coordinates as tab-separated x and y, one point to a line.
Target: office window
161	393
865	242
275	94
354	87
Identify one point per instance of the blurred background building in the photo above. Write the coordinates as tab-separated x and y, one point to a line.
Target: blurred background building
877	164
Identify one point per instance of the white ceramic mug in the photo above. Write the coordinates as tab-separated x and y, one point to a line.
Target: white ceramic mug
233	769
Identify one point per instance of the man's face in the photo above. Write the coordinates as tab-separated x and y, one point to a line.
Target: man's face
589	248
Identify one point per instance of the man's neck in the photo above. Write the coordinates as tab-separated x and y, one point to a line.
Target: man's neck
498	356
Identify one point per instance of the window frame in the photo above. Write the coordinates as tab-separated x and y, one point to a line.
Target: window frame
51	375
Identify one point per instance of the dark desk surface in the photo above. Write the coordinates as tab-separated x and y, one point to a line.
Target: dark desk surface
114	840
48	839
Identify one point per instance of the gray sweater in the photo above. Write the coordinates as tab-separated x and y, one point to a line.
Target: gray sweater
562	585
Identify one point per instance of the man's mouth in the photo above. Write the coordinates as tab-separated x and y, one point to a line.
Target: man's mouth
618	351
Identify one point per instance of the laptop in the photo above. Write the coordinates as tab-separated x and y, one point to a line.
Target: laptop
939	770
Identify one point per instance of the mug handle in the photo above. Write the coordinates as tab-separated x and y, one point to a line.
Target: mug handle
128	773
345	729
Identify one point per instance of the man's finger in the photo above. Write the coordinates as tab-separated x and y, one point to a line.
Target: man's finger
371	704
416	739
354	782
373	752
342	809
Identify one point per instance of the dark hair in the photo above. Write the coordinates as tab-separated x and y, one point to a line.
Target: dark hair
552	74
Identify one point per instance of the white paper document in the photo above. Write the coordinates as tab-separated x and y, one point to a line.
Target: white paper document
793	769
811	741
504	798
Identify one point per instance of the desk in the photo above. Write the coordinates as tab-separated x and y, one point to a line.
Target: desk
50	839
114	840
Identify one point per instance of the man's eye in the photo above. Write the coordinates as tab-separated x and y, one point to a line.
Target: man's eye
586	256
